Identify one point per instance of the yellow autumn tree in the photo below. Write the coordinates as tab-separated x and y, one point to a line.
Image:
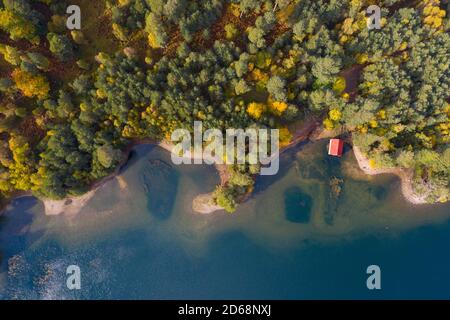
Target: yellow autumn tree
335	115
339	85
258	75
255	110
328	124
433	14
101	93
17	26
348	27
373	123
152	42
31	85
285	137
362	58
230	31
20	169
277	107
10	54
234	9
352	25
381	114
124	3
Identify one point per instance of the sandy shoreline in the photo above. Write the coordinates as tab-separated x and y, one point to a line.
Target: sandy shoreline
71	206
203	203
404	175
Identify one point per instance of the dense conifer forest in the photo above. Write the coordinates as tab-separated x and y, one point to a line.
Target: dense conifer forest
72	100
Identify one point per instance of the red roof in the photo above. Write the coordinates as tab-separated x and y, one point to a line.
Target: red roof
336	147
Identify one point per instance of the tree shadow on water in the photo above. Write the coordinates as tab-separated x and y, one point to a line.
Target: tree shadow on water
160	183
298	205
134	155
287	159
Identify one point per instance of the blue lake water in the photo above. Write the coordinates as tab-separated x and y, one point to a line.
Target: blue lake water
138	237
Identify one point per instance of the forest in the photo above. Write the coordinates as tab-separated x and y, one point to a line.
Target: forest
71	101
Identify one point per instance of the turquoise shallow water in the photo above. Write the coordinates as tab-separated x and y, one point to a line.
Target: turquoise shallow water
295	238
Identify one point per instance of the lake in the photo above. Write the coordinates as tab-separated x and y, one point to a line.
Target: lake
309	232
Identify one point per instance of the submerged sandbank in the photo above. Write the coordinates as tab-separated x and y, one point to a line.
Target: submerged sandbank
204	203
71	206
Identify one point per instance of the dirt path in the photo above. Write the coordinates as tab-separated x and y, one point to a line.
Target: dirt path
301	132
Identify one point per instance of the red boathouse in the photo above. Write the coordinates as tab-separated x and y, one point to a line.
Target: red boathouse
336	147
